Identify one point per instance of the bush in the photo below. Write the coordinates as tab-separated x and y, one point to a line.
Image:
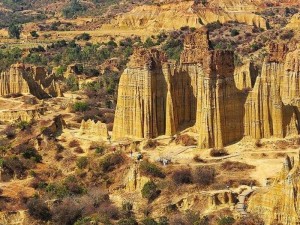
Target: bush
83	36
109	162
128	221
287	35
66	213
150	191
198	159
151	169
80	106
218	152
236	166
149	43
234	32
14	31
182	176
31	153
74	143
204	175
34	34
10	132
149	221
38	209
173	48
23	125
226	220
82	162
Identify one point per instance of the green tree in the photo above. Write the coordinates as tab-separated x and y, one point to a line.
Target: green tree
150	191
14	31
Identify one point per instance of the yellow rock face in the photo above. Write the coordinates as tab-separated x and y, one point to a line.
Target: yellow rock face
266	114
176	14
98	129
28	80
224	103
280	201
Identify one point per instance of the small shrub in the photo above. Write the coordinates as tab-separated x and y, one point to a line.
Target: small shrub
204	175
218	152
287	35
80	106
234	32
109	162
151	169
31	153
83	36
66	213
23	125
128	221
82	162
78	150
198	159
149	221
38	209
258	143
226	220
150	144
10	132
182	176
74	143
150	191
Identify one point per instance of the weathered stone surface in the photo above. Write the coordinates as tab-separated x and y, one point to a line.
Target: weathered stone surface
90	127
266	114
21	115
245	76
142	95
224	102
25	79
280	201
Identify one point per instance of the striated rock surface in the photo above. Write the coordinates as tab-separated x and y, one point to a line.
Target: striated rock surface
90	127
25	79
269	109
225	102
21	115
280	201
245	76
167	15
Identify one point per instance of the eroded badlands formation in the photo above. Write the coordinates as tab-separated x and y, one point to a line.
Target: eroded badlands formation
23	79
280	202
224	103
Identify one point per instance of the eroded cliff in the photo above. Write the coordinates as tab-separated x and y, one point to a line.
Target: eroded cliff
24	79
280	201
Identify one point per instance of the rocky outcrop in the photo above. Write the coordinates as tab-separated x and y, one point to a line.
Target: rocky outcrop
169	15
225	102
280	201
266	114
90	127
23	79
245	76
143	90
21	115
